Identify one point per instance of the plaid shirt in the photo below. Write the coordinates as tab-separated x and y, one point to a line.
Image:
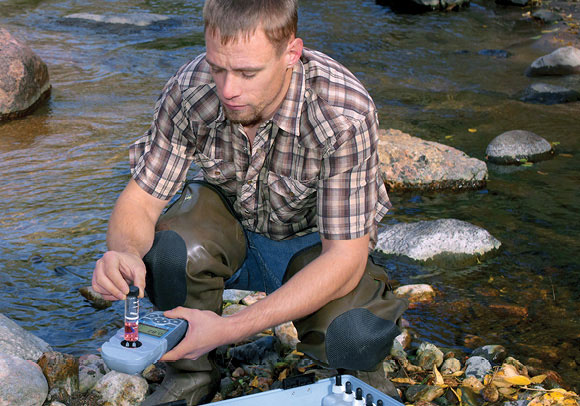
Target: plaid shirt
313	166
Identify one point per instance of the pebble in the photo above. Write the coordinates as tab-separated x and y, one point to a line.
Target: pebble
493	353
121	389
428	356
450	366
95	298
91	369
416	293
287	334
477	367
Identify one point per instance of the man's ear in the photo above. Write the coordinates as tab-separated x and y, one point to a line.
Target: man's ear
294	51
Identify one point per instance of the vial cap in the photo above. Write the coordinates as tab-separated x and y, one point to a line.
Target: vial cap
338	380
133	291
369	400
379	402
358	393
348	387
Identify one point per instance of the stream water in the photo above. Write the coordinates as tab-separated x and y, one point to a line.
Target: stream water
431	75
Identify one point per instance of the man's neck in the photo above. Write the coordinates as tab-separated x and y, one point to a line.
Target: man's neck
252	130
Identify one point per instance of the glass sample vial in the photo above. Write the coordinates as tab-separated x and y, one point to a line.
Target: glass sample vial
132	315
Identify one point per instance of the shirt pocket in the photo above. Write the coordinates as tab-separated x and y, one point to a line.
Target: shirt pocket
291	200
216	171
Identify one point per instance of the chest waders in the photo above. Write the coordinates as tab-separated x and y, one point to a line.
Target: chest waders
199	244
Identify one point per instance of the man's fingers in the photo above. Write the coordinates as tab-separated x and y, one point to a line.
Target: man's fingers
102	283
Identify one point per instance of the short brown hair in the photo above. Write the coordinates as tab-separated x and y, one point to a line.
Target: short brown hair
235	18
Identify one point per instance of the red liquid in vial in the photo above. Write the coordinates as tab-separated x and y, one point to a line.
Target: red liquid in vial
131	331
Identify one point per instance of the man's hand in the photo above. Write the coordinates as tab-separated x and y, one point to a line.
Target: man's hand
115	271
129	237
205	332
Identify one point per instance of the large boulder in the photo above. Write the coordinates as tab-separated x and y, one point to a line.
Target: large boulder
16	341
513	147
24	82
21	382
409	162
427	240
563	61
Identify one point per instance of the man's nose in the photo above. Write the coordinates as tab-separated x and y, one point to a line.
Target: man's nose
231	87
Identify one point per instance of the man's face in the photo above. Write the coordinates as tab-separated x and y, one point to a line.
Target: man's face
250	76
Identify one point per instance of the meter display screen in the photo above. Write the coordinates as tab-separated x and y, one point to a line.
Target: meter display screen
151	330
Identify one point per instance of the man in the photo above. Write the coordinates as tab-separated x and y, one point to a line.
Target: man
285	139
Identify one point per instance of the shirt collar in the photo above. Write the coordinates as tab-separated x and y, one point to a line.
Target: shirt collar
288	115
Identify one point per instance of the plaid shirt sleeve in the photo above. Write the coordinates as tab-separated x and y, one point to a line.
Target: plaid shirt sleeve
350	201
161	158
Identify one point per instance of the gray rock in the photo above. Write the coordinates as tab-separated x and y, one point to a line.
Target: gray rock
255	352
21	382
96	299
16	341
421	6
121	389
136	19
563	61
477	367
428	355
425	240
520	3
450	366
493	353
542	93
411	163
512	147
24	81
235	295
91	369
546	16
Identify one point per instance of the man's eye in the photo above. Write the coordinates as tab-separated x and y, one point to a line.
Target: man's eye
246	75
213	69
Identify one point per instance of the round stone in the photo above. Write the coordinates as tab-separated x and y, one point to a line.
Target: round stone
518	146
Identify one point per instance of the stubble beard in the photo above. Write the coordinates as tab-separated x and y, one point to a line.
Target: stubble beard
250	119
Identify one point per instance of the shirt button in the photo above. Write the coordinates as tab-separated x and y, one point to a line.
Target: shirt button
250	182
217	173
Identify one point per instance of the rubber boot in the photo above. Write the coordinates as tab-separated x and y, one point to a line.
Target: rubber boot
356	331
198	245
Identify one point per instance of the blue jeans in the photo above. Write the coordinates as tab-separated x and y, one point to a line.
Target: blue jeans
266	261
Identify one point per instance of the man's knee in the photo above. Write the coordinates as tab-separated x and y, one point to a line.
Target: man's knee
356	331
198	240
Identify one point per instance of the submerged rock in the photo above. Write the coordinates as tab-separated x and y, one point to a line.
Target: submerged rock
24	81
546	16
511	147
421	6
411	163
543	93
563	61
520	3
136	19
426	240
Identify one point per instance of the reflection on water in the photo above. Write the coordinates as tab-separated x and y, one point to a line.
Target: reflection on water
434	76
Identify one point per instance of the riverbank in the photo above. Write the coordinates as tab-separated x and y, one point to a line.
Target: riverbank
416	372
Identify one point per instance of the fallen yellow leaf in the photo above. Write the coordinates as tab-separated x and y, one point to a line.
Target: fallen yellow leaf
472	130
283	375
254	383
438	378
517	380
404	380
538	379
